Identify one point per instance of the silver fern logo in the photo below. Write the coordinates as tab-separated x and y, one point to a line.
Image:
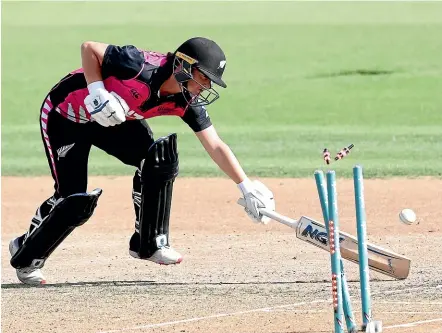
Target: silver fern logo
62	151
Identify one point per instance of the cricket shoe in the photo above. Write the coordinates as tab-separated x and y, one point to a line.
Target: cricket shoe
165	255
27	275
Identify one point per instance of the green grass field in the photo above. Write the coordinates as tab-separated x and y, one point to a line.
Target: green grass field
302	76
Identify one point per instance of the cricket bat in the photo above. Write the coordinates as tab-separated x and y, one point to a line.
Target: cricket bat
379	259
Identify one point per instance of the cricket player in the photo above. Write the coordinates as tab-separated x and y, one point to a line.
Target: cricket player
105	104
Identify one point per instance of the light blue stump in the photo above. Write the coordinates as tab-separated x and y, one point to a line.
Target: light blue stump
348	312
361	225
332	226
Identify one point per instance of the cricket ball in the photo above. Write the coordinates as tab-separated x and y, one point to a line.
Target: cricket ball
407	216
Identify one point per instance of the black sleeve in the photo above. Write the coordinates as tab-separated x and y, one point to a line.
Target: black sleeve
122	62
197	118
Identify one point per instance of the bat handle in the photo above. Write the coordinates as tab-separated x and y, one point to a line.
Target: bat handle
272	214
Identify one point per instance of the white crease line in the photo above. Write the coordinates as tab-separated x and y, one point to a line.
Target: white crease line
404	302
415	323
267	309
414	312
326	311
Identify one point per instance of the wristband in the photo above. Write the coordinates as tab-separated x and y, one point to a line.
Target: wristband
246	186
94	86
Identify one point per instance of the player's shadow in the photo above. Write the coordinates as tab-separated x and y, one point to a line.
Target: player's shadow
80	284
154	283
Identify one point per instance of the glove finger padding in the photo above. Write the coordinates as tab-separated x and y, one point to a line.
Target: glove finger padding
117	111
121	115
252	216
266	197
101	119
252	210
259	197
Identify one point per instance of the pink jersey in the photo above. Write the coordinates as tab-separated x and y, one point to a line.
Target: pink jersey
133	91
136	76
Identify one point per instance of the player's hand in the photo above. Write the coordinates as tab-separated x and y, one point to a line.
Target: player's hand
106	108
256	195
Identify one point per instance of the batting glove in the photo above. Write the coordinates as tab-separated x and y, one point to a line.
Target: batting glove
256	196
106	108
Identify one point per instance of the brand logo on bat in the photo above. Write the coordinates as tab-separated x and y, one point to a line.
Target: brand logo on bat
318	234
390	264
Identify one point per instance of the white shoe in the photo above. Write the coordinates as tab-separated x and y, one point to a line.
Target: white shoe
163	256
27	275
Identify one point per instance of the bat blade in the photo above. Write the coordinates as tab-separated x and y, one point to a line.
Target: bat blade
379	259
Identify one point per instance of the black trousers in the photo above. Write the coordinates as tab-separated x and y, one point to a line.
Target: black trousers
67	146
70	144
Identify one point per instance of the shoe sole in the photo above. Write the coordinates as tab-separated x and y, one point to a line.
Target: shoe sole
135	255
42	282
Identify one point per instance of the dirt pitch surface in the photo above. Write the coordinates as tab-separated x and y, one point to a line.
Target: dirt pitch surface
236	276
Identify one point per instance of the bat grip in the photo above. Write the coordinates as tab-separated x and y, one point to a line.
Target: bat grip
272	214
